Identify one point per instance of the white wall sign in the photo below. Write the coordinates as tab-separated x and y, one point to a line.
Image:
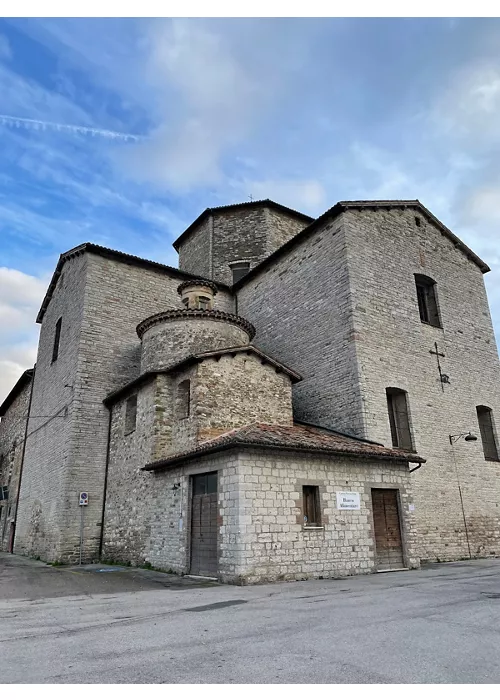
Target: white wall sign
84	499
348	500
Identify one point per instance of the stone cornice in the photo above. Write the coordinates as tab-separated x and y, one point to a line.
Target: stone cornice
196	282
212	315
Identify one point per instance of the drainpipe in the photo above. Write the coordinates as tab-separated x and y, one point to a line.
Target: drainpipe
108	449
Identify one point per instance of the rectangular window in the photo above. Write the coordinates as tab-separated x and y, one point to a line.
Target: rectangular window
57	338
485	420
239	270
397	407
130	414
312	512
427	300
4	493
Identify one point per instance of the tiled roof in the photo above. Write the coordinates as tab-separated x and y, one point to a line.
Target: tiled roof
299	437
116	395
241	205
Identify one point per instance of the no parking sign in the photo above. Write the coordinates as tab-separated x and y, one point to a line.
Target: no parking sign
84	499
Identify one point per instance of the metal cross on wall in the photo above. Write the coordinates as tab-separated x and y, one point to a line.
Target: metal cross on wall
443	378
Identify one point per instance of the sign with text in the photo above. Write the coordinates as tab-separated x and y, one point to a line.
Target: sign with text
348	500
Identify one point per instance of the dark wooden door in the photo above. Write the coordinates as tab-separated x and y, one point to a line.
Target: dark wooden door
204	525
388	545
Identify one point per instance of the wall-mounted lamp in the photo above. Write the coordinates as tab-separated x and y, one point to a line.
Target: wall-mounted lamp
468	437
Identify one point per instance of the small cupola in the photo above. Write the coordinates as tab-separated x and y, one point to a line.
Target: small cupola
197	294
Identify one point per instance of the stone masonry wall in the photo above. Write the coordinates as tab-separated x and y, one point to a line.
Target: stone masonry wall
173	340
129	491
12	433
384	251
301	308
237	390
273	543
117	297
48	517
195	252
249	234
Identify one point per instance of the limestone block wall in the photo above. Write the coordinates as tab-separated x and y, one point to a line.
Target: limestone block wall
237	390
48	516
273	543
129	491
170	524
385	248
301	307
249	234
12	434
173	339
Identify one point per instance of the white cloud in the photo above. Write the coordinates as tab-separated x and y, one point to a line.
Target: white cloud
469	107
20	298
208	100
308	195
5	50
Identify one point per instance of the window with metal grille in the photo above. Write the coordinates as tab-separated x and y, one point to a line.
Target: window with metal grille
397	406
239	270
130	414
4	493
427	300
184	399
485	420
57	340
312	511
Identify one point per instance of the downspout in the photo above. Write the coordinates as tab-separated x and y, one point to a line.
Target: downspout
13	536
108	449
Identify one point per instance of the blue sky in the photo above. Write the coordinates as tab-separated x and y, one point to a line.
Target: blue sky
304	111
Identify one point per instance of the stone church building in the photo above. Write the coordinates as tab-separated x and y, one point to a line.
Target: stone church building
299	398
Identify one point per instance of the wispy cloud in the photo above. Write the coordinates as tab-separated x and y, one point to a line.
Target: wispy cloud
38	124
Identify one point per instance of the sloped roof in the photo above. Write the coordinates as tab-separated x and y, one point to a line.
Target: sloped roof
299	437
343	206
199	357
241	205
111	255
22	382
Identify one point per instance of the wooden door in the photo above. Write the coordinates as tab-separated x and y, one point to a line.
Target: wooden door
204	525
388	544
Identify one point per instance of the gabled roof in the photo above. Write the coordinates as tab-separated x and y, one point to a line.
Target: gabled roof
299	437
22	382
194	359
343	206
241	205
111	255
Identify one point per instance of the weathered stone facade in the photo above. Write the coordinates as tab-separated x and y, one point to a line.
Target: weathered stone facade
262	536
334	310
12	439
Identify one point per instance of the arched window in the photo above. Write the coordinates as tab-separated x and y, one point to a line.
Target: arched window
485	420
397	406
203	303
183	399
427	300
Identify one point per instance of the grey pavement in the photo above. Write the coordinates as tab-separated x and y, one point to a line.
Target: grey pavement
117	625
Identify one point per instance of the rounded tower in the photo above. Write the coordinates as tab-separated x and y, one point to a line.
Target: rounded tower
173	335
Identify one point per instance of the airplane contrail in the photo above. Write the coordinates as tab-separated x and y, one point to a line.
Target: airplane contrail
37	124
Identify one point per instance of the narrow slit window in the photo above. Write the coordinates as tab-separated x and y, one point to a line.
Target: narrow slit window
485	420
427	300
130	414
397	407
312	512
184	399
204	303
57	340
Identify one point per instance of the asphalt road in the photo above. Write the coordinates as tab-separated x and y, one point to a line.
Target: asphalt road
437	625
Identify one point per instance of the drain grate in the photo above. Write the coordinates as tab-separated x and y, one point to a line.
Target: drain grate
491	595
